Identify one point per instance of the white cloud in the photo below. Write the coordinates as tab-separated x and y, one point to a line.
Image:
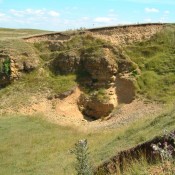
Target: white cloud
16	13
162	19
33	12
151	10
167	12
103	19
112	14
21	13
30	18
2	14
53	13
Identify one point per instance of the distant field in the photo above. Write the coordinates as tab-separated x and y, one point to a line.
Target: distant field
6	33
32	146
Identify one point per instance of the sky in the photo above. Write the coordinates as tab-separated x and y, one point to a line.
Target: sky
59	15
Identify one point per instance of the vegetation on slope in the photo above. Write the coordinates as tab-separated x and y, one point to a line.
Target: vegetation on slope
36	83
39	81
156	59
30	145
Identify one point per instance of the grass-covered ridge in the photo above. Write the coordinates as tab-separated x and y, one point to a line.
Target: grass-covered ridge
156	59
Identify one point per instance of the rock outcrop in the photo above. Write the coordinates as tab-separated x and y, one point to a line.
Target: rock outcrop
96	68
97	59
46	37
66	63
98	104
93	69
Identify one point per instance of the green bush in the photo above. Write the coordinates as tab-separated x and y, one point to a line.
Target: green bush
5	67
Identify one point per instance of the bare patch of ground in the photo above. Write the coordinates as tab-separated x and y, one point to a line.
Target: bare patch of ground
65	112
125	90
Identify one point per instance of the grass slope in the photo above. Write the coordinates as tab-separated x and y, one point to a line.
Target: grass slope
30	145
36	83
40	81
156	59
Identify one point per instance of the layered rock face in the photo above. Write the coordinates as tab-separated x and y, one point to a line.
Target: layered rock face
66	63
46	37
98	104
123	35
100	66
119	35
96	71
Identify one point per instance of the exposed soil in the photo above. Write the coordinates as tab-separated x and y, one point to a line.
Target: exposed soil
125	90
65	112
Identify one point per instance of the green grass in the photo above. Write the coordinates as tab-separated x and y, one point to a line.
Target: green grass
30	145
79	44
39	82
6	33
15	45
156	59
142	167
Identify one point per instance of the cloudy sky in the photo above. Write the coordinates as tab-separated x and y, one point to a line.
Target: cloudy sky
61	15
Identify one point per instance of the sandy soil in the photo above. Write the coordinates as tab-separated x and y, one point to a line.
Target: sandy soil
65	112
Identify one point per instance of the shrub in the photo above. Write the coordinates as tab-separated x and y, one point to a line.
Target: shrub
82	156
5	67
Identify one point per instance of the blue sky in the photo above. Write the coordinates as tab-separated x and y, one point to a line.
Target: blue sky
61	15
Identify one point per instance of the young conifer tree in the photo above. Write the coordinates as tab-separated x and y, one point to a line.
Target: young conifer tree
83	166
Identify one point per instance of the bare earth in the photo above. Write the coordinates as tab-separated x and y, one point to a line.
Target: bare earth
65	112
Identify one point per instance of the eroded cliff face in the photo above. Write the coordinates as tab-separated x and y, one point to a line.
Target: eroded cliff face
118	35
124	35
97	66
104	73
